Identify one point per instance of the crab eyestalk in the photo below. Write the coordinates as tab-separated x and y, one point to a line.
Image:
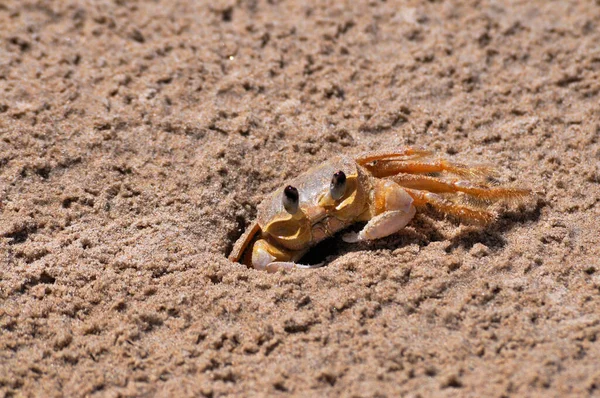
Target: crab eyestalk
337	188
291	199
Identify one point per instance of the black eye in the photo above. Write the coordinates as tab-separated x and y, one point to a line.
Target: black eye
290	199
338	185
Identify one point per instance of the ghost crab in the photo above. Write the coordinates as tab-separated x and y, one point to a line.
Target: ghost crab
383	189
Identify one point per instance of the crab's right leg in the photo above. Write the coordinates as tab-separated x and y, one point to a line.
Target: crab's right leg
437	202
413	161
391	210
397	155
479	191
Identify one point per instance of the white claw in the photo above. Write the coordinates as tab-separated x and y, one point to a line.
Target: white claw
352	237
279	265
310	266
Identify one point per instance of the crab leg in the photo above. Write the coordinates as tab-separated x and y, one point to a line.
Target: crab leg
479	191
404	153
423	198
243	242
390	167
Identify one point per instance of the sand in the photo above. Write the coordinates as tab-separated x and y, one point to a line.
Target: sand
138	137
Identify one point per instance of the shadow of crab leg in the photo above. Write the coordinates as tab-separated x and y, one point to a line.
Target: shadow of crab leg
464	213
479	191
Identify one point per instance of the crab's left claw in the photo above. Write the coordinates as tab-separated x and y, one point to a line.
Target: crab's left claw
279	265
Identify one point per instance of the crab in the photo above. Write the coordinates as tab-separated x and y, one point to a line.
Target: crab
382	189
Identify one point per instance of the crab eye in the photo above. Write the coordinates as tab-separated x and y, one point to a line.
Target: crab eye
337	189
290	199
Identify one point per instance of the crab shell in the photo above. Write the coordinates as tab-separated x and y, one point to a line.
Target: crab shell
319	217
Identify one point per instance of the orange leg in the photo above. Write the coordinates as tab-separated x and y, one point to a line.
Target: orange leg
478	191
401	154
424	199
386	168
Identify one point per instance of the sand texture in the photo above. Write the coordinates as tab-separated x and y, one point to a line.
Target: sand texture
137	139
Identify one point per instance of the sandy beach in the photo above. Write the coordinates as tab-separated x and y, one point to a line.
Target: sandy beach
137	139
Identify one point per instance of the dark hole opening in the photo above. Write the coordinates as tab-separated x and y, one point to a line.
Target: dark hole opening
322	252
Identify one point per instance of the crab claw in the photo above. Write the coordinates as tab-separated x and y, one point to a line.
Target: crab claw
278	265
352	237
